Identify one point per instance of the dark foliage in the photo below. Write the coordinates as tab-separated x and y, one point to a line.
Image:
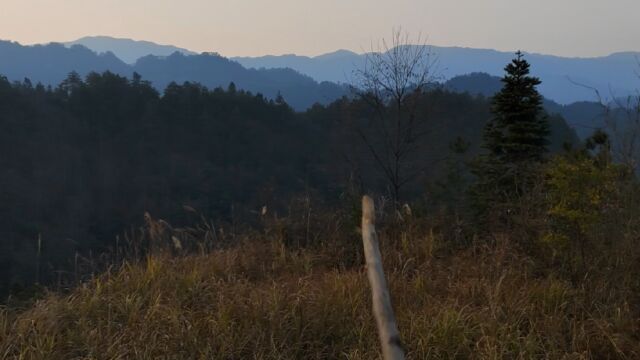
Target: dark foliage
515	140
81	163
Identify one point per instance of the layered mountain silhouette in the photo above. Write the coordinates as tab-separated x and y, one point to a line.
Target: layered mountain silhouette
283	75
127	50
565	80
50	64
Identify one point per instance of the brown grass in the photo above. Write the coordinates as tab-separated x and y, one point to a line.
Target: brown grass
262	299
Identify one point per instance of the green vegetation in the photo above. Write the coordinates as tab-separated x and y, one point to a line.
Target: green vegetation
515	140
587	196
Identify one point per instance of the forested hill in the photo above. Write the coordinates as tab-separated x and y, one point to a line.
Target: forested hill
83	161
211	70
50	64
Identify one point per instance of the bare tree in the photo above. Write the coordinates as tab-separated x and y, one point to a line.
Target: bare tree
394	77
621	116
622	121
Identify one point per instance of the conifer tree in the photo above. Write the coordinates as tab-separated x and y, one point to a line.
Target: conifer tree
515	141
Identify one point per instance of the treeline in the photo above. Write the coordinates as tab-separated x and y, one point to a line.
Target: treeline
82	162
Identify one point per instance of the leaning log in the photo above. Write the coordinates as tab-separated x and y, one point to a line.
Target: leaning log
382	310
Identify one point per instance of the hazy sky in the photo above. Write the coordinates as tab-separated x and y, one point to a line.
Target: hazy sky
258	27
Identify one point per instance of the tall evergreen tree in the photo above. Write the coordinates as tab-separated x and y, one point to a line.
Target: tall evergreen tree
515	140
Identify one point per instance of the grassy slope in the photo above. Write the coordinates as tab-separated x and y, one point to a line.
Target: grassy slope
263	300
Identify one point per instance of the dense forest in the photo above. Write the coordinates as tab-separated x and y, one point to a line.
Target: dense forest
83	161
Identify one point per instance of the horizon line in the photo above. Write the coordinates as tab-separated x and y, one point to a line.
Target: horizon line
197	52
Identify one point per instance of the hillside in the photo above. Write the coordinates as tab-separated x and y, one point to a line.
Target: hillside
50	64
267	298
214	71
88	158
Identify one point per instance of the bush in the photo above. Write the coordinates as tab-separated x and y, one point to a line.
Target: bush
583	193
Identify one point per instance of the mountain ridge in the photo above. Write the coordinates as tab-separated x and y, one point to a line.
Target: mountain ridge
565	79
127	50
50	64
562	77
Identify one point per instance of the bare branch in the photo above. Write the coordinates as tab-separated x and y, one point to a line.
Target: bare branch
391	83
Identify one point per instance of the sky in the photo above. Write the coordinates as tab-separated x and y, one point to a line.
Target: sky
258	27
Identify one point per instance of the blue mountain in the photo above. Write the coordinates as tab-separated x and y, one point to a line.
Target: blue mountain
50	64
564	80
127	50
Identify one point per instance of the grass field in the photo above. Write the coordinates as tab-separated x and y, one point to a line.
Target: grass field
264	298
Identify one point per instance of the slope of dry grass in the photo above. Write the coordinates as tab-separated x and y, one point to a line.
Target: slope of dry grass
261	299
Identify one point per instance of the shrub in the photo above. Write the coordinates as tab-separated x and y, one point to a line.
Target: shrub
583	192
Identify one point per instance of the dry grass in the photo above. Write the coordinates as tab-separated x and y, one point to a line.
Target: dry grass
264	300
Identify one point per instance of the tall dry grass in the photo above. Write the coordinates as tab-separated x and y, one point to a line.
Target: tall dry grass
265	297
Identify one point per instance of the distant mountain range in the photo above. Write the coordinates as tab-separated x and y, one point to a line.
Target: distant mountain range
562	77
293	76
565	80
50	64
127	50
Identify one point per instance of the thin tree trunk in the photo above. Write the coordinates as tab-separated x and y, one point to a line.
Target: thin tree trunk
382	310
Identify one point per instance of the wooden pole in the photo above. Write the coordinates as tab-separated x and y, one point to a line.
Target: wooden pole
382	310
